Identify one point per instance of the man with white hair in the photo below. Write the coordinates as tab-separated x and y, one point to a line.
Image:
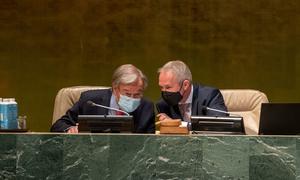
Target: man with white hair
181	98
126	94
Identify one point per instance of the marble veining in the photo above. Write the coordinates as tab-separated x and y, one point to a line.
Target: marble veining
61	156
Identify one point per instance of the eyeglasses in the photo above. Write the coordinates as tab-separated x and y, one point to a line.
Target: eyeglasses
130	91
136	96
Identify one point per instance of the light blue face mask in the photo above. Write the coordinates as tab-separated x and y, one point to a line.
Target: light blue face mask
128	104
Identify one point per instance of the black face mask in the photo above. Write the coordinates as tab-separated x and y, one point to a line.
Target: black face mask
171	98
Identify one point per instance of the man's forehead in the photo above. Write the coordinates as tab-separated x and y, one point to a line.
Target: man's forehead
131	87
167	77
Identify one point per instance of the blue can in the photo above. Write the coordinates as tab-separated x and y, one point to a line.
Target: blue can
9	111
1	114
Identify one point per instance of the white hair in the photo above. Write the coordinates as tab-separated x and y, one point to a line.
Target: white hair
180	70
127	74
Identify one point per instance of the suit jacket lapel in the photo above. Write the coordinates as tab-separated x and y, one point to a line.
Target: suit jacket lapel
197	104
195	100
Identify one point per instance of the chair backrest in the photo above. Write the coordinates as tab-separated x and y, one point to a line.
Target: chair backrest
67	97
246	103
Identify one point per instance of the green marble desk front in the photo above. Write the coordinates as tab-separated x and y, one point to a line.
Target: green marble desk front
121	156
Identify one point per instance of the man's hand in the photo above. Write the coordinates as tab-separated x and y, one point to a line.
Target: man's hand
162	116
73	129
165	120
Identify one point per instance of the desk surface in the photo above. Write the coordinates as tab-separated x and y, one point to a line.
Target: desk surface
13	130
140	156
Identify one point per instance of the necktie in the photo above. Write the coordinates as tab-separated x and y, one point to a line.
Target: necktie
119	113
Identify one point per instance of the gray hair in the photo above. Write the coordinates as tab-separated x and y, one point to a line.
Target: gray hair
179	69
127	74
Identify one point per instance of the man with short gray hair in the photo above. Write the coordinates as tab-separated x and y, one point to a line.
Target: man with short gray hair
126	94
181	98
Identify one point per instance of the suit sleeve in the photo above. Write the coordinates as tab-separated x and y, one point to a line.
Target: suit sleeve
146	118
67	120
163	107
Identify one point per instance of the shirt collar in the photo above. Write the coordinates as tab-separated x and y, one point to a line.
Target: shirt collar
190	98
113	102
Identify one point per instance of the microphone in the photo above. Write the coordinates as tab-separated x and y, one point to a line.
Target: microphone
205	108
106	107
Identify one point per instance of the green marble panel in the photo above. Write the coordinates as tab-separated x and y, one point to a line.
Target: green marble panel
7	156
86	157
132	157
226	157
272	158
118	156
179	157
297	158
39	156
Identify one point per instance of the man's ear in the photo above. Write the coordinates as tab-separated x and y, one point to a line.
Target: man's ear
116	92
186	84
115	89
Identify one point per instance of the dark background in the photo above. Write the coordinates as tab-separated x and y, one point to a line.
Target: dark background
46	45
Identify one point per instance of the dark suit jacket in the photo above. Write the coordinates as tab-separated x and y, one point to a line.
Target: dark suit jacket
143	116
202	96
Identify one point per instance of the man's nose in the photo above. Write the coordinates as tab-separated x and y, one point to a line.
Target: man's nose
130	95
162	89
134	95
